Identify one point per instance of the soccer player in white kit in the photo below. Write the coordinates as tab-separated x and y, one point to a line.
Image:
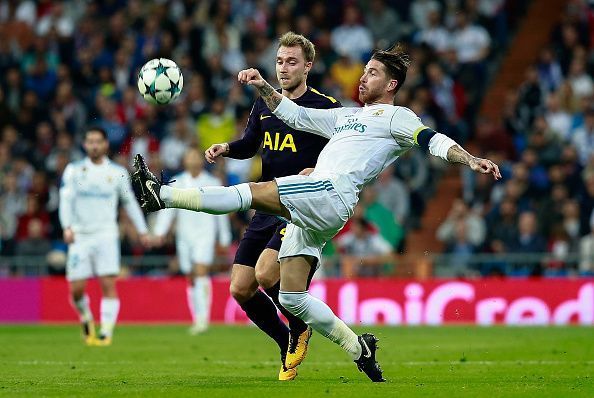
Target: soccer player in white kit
90	193
363	141
196	237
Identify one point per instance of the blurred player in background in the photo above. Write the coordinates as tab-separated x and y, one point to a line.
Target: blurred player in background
91	191
285	151
197	235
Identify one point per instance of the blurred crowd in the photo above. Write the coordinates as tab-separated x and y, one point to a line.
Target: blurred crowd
544	141
67	65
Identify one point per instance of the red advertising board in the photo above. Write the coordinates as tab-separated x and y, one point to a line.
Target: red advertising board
370	301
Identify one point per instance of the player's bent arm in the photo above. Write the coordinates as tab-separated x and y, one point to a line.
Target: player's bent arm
131	205
65	209
316	121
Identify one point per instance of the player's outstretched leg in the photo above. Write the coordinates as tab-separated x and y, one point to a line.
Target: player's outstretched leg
153	194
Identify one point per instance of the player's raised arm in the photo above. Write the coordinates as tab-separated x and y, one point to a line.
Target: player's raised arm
316	121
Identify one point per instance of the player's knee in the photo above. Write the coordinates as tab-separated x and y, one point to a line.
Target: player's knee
294	302
240	293
265	279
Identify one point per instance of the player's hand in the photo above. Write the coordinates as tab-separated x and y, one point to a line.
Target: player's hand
145	240
158	241
251	77
306	172
68	236
485	166
216	150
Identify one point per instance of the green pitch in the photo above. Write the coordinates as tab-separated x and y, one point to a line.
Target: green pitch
39	361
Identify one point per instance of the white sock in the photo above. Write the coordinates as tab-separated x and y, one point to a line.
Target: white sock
109	315
83	307
190	300
213	200
320	317
202	300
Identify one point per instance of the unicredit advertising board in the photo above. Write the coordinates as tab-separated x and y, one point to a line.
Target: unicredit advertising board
370	301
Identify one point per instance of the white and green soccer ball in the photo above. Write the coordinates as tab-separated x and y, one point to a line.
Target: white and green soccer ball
160	81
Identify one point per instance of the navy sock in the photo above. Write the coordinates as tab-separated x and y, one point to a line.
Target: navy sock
263	313
296	325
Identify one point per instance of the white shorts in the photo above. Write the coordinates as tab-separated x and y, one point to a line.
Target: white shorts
94	255
190	253
317	214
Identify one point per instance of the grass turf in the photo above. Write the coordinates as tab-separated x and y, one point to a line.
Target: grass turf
37	361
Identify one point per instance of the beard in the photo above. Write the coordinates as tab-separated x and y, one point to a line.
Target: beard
368	97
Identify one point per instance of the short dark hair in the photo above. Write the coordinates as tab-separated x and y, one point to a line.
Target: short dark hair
97	129
396	61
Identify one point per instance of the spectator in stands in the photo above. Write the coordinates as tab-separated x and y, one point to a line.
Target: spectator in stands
381	217
129	108
586	251
581	83
141	140
64	145
346	72
33	211
583	137
12	204
460	248
420	11
550	212
393	195
558	119
175	144
35	244
474	226
528	241
352	38
435	35
549	70
472	42
571	224
109	121
384	23
218	125
363	252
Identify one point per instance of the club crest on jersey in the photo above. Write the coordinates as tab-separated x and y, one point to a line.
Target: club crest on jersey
379	112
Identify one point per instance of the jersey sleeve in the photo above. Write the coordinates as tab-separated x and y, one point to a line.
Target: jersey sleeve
130	204
316	121
249	143
405	127
65	208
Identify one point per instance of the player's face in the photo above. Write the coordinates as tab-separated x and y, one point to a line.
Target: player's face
95	145
193	162
375	82
291	67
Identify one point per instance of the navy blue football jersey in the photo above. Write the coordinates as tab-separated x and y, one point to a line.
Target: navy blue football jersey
285	151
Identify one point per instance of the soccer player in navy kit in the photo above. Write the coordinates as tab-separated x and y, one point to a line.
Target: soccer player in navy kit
285	151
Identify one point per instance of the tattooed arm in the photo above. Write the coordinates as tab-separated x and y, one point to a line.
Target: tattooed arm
457	154
316	121
252	77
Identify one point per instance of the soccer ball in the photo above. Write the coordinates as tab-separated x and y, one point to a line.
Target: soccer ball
160	81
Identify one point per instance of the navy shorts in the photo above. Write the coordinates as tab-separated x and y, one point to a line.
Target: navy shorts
263	232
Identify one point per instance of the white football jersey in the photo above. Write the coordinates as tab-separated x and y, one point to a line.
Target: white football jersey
191	226
90	194
363	141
